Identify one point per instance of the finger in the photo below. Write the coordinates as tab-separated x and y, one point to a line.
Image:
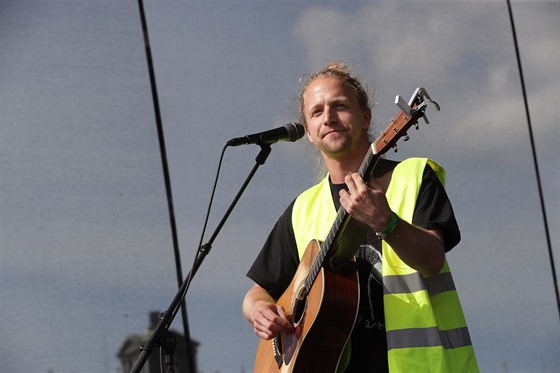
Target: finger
284	320
359	185
273	320
264	330
356	178
350	183
264	334
343	194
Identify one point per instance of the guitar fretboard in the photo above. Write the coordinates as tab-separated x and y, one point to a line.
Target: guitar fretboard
366	168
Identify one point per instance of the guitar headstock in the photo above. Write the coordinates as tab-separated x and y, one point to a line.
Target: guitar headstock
408	116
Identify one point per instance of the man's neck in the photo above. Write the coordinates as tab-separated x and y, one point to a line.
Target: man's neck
346	164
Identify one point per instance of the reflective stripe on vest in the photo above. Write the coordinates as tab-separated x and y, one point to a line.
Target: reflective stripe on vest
428	337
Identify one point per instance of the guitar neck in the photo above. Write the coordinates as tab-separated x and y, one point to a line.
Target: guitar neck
397	128
340	223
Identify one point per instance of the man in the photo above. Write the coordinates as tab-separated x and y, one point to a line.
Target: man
410	230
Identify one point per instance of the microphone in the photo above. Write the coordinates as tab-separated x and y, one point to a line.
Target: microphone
288	132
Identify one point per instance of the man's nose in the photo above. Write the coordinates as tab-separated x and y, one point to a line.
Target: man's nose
330	116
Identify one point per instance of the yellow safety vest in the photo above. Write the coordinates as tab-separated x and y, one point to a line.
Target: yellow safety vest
425	325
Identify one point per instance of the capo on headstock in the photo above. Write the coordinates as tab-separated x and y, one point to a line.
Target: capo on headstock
409	114
416	102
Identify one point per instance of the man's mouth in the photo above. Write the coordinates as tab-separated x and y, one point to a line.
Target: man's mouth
332	132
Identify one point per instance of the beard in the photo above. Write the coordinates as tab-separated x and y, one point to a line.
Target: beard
335	148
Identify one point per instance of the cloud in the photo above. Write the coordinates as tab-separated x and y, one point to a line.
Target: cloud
469	60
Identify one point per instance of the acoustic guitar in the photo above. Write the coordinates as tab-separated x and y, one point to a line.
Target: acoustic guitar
323	296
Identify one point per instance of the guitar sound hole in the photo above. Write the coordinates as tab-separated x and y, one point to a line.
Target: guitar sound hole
299	308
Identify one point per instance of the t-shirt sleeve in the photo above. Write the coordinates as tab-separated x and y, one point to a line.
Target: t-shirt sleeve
277	262
434	211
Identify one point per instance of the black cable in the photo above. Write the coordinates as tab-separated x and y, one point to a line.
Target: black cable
199	252
190	356
536	163
200	245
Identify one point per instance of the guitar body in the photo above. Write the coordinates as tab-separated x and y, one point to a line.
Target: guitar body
324	318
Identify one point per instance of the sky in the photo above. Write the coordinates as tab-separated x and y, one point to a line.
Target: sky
86	247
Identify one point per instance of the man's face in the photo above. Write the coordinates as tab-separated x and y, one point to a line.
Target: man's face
335	122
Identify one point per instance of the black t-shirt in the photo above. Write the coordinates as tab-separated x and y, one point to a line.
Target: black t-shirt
278	260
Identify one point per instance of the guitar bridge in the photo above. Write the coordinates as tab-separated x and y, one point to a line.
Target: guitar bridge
277	350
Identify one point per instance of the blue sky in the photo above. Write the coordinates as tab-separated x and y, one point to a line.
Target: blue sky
85	245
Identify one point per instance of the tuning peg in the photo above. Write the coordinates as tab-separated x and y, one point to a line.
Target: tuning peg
405	137
425	120
395	149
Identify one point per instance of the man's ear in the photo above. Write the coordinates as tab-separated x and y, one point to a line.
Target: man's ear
308	135
367	119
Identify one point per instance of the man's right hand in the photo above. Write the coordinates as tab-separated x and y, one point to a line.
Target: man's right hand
267	318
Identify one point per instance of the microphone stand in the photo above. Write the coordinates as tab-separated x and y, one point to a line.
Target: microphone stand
161	335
